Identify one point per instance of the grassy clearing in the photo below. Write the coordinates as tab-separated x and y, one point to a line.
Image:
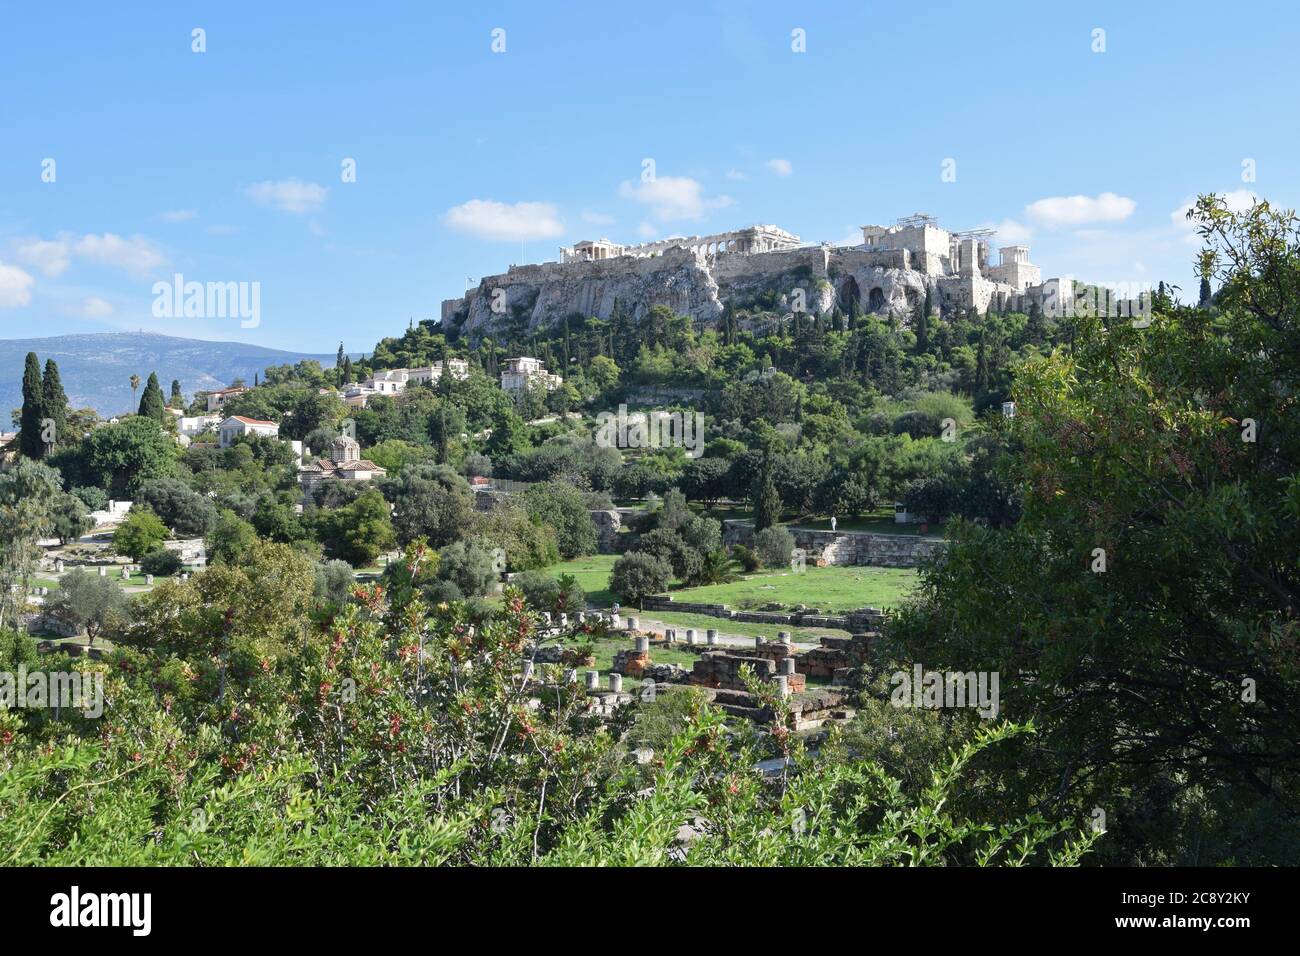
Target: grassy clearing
592	574
827	589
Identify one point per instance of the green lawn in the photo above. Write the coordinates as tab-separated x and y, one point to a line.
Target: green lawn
592	574
830	589
827	589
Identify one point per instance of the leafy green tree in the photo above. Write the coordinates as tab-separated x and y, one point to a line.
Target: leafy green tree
187	513
231	539
471	567
70	518
334	582
1152	576
564	508
120	458
28	494
163	562
429	501
637	575
774	546
88	602
358	532
140	532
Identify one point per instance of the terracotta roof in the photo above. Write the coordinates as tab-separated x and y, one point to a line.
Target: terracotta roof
251	421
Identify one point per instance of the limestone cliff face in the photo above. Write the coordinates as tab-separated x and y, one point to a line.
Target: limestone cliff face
695	285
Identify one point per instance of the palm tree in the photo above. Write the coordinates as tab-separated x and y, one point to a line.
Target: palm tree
135	384
715	569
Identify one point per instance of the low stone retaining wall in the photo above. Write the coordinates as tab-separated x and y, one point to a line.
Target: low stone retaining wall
857	548
854	620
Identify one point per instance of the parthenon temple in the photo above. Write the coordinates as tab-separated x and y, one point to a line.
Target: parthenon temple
753	239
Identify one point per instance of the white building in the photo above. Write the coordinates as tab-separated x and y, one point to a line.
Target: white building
524	371
219	398
191	425
393	381
237	425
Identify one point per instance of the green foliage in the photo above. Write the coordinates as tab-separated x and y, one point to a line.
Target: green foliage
429	501
545	592
152	404
564	508
470	567
88	602
358	532
1151	584
29	492
140	532
181	509
162	563
120	458
774	546
637	575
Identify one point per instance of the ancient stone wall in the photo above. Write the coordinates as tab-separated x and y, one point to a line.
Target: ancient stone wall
848	547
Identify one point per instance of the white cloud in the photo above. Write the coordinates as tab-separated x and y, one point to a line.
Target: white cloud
178	215
597	218
673	197
290	195
222	230
136	255
15	287
95	308
51	257
1013	233
1238	200
1080	210
505	222
736	174
782	167
646	231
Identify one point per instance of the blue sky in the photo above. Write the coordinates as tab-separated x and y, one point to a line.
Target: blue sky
226	165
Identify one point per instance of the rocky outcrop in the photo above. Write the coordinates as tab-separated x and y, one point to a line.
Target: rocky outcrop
810	279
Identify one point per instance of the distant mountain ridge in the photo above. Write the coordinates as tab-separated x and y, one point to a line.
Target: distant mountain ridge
96	368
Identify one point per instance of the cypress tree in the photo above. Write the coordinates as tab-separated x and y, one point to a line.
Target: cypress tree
767	501
347	369
1205	293
921	325
177	400
338	362
29	439
151	402
56	399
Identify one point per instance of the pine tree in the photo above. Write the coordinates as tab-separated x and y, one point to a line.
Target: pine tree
30	442
151	402
177	400
55	404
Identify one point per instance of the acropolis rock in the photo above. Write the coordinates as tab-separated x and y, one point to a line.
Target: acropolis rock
763	269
